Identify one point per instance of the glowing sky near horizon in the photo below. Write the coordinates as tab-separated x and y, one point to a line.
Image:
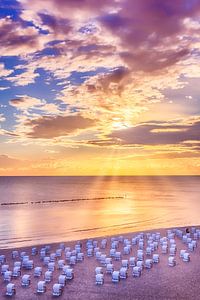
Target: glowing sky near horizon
108	87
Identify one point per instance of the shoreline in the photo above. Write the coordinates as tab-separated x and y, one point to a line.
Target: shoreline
161	282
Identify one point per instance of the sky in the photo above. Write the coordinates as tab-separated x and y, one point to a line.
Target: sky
108	87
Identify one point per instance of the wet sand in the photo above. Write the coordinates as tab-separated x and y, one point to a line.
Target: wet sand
160	282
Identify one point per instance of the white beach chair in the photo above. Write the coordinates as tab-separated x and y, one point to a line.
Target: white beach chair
26	280
41	287
108	260
57	290
171	261
112	252
16	272
123	273
109	268
99	279
140	255
65	268
69	274
148	263
156	258
115	277
125	263
62	280
103	243
58	253
98	270
136	271
80	256
37	271
18	264
191	247
182	251
52	257
7	276
132	261
2	259
34	251
61	264
72	260
62	246
4	268
172	251
51	266
186	257
117	255
10	289
68	254
29	264
127	250
164	249
148	251
48	276
15	254
98	255
89	252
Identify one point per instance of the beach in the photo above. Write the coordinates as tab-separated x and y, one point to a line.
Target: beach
159	282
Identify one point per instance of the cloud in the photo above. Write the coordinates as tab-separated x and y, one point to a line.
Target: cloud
17	40
4	72
2	118
48	127
7	162
25	102
158	134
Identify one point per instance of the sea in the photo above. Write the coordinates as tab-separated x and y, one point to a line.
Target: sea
38	210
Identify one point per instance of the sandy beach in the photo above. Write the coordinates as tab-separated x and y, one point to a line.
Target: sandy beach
160	282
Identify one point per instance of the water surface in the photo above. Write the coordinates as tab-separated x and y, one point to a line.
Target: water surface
100	206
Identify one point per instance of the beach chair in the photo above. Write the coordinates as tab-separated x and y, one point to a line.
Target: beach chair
72	260
41	287
89	252
117	255
171	261
34	251
22	254
186	257
98	270
62	280
103	243
42	253
148	263
156	258
140	255
16	272
58	253
65	268
2	259
115	277
164	249
67	249
123	273
172	251
132	261
134	241
15	254
62	246
61	264
112	252
4	268
109	268
98	255
57	290
103	259
26	280
80	257
95	243
29	265
10	289
18	264
51	266
194	243
48	276
108	260
37	271
7	276
125	263
96	249
191	247
52	257
136	271
127	250
46	260
69	274
148	251
182	251
99	279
